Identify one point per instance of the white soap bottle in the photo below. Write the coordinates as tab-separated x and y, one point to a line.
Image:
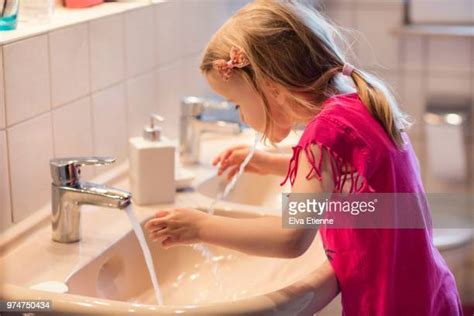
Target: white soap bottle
152	170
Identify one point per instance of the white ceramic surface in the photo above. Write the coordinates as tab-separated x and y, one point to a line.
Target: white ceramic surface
70	64
27	79
107	47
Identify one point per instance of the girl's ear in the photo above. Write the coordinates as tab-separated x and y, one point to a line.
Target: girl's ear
275	91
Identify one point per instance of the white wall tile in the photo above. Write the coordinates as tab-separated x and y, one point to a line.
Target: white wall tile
198	30
449	55
344	17
414	101
170	92
140	41
72	129
5	207
168	48
377	47
109	111
193	81
393	81
30	148
3	120
234	5
27	80
218	13
107	51
449	84
442	12
341	15
412	55
193	27
69	49
142	98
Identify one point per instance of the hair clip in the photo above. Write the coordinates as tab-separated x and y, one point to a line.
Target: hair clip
238	59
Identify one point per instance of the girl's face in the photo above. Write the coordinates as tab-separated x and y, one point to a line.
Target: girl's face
251	105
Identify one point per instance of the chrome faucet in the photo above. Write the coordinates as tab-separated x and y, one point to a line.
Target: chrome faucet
192	125
69	193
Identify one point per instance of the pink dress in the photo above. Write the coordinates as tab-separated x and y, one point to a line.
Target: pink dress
379	271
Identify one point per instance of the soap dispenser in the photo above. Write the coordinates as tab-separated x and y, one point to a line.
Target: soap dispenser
152	169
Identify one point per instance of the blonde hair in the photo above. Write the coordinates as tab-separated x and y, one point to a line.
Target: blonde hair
291	44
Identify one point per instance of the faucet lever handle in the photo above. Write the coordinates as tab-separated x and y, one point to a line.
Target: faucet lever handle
94	161
66	171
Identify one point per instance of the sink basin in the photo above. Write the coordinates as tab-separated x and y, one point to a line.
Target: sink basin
227	282
188	278
250	189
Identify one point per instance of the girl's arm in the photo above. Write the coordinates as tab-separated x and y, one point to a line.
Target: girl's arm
278	163
263	236
262	162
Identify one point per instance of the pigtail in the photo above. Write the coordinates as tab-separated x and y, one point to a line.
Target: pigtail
381	104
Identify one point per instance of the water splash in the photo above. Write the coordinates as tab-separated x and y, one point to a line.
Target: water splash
230	186
146	253
204	250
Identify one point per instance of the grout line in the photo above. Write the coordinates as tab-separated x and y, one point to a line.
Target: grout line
9	176
4	89
424	166
50	70
89	96
89	54
7	144
400	94
124	37
70	102
127	106
93	128
126	79
48	41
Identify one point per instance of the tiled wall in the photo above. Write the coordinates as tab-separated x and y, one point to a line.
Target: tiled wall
85	89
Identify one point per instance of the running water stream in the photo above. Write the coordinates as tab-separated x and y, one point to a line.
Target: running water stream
221	196
146	253
230	186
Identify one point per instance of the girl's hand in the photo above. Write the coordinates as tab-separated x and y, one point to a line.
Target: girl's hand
177	226
232	157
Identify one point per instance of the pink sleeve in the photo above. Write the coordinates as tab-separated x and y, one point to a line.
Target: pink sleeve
345	148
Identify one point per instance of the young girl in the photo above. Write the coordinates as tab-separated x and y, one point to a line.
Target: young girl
279	62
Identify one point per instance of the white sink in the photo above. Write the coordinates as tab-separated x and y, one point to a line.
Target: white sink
250	189
187	278
230	283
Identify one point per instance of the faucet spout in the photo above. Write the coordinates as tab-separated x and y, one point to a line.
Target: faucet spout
99	195
193	125
69	193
